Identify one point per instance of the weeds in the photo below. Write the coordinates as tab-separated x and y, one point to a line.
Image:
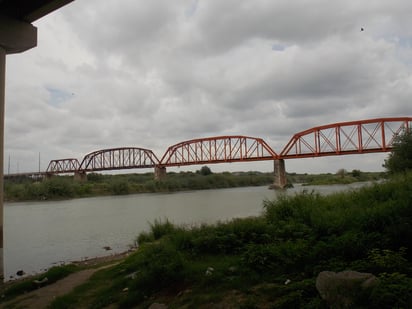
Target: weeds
367	230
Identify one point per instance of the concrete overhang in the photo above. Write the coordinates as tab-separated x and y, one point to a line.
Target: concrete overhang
30	10
17	34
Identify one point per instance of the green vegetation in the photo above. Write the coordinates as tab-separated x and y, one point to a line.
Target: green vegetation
244	263
64	187
340	177
52	275
400	158
269	261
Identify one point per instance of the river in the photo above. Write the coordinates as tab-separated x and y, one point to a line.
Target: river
38	235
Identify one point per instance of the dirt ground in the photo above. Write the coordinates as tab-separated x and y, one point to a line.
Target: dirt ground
43	296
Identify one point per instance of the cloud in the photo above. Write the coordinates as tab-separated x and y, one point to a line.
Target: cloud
151	75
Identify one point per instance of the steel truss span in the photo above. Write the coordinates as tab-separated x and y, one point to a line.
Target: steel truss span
355	137
70	165
119	158
218	150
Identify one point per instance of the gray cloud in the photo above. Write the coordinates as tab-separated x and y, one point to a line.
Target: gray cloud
107	74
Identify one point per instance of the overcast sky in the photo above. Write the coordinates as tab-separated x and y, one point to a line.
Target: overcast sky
110	73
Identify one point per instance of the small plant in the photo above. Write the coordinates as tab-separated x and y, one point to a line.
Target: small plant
394	291
388	261
159	229
156	266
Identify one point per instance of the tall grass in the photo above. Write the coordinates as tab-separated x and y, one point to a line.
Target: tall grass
368	230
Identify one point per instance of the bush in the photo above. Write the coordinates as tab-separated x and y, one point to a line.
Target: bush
159	229
394	291
285	256
119	188
388	261
60	187
157	265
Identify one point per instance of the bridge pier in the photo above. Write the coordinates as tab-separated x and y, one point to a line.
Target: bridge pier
279	172
160	172
80	176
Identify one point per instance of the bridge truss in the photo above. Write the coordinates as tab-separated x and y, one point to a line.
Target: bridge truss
218	150
119	158
59	166
355	137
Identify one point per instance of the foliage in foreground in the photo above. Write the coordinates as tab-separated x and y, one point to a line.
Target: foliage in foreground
245	262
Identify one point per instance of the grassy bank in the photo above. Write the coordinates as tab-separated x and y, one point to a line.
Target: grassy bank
64	187
245	263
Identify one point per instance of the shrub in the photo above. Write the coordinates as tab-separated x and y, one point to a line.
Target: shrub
59	187
119	188
159	229
394	291
157	265
388	261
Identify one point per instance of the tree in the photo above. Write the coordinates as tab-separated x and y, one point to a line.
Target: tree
205	170
400	158
356	173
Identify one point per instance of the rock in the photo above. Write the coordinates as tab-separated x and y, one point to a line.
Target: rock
287	281
131	276
20	273
158	306
209	271
39	283
232	269
341	290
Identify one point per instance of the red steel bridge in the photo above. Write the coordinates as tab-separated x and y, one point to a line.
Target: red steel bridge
354	137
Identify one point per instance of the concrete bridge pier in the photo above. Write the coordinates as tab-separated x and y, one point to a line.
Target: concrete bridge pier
159	172
279	172
80	176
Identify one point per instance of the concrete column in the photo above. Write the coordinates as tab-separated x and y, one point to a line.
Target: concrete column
160	172
80	176
2	98
279	170
15	37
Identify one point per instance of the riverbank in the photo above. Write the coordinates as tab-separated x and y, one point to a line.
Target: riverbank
39	291
270	260
64	187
